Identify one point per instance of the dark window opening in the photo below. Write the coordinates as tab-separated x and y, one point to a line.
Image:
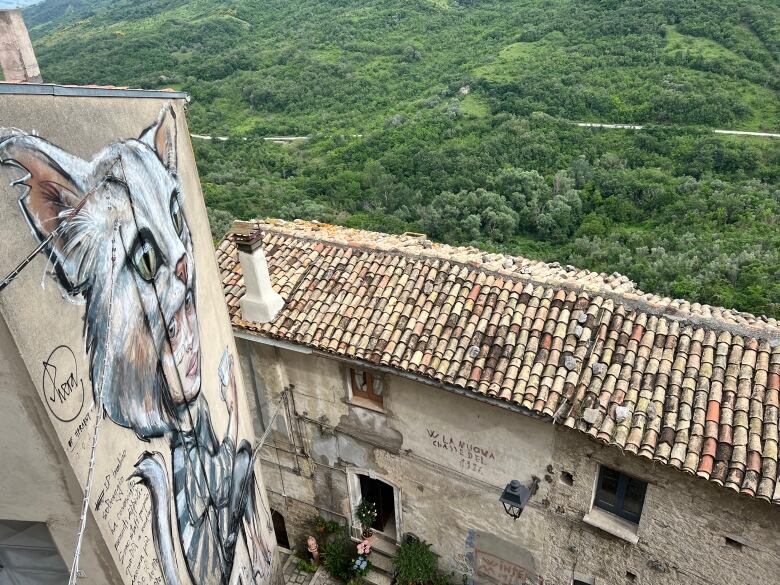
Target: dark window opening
280	529
734	543
367	386
382	495
620	494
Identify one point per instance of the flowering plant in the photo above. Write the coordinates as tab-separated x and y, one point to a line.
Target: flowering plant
366	513
364	548
360	566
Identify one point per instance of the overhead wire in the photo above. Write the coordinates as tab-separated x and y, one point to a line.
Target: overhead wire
74	571
11	276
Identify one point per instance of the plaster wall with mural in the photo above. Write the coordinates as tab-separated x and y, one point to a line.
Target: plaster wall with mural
447	458
119	324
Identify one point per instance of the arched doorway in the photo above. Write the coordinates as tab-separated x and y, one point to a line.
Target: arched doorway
280	529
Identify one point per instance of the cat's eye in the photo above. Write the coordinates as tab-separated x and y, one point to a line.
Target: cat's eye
146	258
176	214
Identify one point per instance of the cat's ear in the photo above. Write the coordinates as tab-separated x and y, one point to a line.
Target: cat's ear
51	191
161	137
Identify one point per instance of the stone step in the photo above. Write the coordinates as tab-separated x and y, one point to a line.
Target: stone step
381	562
378	578
286	560
383	545
319	577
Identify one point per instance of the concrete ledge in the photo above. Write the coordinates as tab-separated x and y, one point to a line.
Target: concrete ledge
89	91
614	525
360	402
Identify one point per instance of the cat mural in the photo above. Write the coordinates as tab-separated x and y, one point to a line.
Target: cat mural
131	200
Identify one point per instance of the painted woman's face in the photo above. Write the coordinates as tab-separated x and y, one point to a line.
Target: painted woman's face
185	340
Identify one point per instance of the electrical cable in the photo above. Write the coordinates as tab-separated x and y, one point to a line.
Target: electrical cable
269	427
98	419
11	276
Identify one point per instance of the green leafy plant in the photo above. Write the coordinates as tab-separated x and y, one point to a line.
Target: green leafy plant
416	564
366	513
447	578
320	524
338	554
306	566
331	527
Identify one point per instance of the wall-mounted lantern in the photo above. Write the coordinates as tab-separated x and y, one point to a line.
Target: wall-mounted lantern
516	496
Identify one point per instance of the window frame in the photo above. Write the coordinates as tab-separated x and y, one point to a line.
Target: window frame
366	397
618	508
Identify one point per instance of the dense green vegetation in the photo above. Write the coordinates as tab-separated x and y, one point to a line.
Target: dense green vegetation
454	118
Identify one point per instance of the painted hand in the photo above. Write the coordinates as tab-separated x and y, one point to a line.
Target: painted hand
230	391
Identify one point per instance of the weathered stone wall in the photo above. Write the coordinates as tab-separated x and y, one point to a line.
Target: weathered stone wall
126	299
418	446
682	532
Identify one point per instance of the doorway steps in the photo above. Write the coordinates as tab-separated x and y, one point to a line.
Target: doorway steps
382	552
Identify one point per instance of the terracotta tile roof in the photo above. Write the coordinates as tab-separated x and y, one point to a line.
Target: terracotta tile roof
692	386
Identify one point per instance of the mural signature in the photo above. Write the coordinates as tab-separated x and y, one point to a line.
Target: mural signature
63	389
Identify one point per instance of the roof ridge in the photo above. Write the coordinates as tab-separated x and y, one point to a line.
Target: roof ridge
616	287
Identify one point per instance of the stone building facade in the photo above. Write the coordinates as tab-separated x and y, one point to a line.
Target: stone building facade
367	395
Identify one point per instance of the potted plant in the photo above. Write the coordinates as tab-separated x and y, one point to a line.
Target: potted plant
306	566
366	514
320	524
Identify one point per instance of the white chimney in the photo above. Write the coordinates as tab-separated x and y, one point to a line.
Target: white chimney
260	303
17	57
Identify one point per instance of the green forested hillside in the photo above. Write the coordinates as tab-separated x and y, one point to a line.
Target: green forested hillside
454	118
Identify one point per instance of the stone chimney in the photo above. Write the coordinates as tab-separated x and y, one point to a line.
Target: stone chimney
17	57
260	303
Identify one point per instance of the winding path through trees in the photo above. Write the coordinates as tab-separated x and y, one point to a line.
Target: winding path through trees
288	139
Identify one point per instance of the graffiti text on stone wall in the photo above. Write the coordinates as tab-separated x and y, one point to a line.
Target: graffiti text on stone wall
472	457
497	570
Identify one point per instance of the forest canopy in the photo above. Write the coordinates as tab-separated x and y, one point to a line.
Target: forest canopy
457	119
